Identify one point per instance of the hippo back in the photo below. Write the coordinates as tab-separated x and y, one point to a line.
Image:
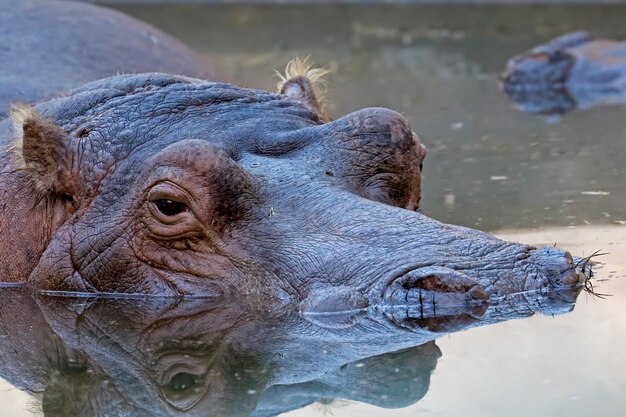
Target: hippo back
50	47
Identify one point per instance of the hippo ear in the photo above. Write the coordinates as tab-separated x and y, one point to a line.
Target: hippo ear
42	150
303	83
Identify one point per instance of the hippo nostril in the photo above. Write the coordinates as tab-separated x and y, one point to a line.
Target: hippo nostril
571	278
477	292
438	280
441	285
434	298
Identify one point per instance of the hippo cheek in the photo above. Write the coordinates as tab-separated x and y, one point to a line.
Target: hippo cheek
435	298
56	270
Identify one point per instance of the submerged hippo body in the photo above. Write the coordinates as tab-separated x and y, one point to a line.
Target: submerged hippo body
572	71
50	47
166	185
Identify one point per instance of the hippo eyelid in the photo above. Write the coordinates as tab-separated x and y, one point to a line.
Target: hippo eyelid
178	217
167	190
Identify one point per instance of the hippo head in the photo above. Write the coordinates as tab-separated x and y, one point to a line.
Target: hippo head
170	186
537	80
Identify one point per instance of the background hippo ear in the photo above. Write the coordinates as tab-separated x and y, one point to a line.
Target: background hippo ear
304	83
41	149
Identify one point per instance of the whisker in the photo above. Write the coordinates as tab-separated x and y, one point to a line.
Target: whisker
585	260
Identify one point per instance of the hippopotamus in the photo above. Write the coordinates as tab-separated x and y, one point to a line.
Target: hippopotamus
228	356
572	71
177	186
60	45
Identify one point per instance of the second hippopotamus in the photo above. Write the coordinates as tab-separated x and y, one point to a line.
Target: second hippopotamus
572	71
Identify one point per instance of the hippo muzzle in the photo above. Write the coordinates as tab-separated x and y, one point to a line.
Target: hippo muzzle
420	273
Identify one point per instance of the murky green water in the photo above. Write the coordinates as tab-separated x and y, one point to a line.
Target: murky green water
489	167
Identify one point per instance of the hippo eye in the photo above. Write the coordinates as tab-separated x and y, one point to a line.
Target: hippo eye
183	390
170	207
182	382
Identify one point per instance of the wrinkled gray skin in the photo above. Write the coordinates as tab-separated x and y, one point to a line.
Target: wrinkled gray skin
227	357
48	48
165	185
277	202
571	71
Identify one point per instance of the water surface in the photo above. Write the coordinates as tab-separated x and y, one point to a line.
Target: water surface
489	167
568	364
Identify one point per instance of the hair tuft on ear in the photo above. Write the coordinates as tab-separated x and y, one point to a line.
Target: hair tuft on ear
302	82
40	149
18	114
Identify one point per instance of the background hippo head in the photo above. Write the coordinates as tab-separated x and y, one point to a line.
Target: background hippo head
571	71
171	186
537	80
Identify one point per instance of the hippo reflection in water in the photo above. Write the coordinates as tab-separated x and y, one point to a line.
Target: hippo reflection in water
226	356
572	71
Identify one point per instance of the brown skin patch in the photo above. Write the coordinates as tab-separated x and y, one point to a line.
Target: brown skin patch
380	157
37	188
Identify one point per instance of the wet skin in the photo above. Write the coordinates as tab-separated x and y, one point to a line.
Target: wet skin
571	71
49	47
266	232
226	356
169	186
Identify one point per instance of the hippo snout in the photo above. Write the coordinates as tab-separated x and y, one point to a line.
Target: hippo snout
559	268
556	282
443	298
